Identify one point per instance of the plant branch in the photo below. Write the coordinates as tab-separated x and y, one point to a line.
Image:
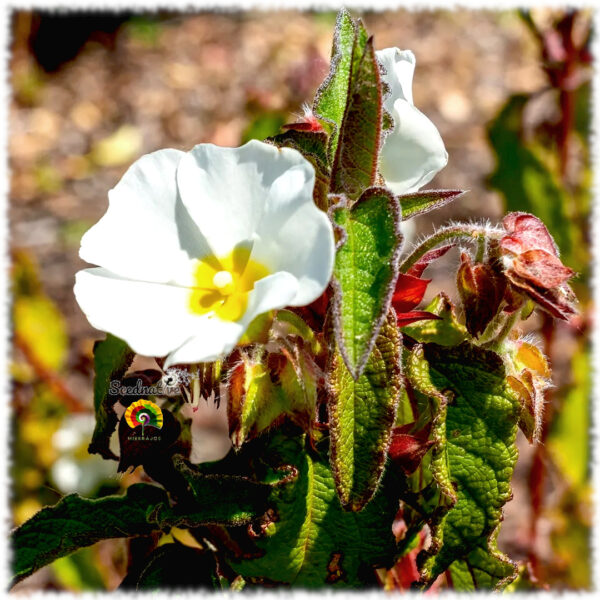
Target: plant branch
466	231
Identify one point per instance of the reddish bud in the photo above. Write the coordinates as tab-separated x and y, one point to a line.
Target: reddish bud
407	450
533	266
481	290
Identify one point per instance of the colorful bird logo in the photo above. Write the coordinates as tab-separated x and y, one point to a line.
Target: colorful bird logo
144	413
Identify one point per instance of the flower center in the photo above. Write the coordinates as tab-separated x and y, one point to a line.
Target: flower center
223	281
221	285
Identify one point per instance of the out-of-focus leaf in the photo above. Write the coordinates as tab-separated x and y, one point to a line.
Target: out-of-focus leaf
79	571
569	438
524	179
41	327
361	416
365	270
263	126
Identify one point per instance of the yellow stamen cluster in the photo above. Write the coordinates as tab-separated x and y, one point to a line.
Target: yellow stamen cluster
221	285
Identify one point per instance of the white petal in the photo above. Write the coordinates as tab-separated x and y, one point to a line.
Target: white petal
225	189
218	338
153	318
263	195
399	69
414	152
272	292
147	233
294	235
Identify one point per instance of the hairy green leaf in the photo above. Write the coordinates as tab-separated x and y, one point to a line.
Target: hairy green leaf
446	331
112	358
217	498
420	203
361	416
355	165
309	540
485	567
332	96
365	271
75	522
480	430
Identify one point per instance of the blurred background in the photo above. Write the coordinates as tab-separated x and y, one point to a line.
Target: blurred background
510	94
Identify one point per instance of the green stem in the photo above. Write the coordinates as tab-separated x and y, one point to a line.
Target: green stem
462	231
481	244
510	320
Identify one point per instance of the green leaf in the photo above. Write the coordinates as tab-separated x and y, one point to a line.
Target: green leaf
480	430
365	271
332	96
361	417
447	331
75	522
112	358
355	165
313	146
420	203
310	540
484	568
217	498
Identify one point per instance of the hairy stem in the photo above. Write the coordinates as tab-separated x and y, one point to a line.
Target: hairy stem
463	231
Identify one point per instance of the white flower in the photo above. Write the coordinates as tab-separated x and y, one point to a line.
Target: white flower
195	245
413	152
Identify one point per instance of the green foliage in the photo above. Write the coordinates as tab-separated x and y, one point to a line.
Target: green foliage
447	331
112	358
366	267
420	203
332	96
215	498
361	416
356	158
75	522
480	427
332	443
310	540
